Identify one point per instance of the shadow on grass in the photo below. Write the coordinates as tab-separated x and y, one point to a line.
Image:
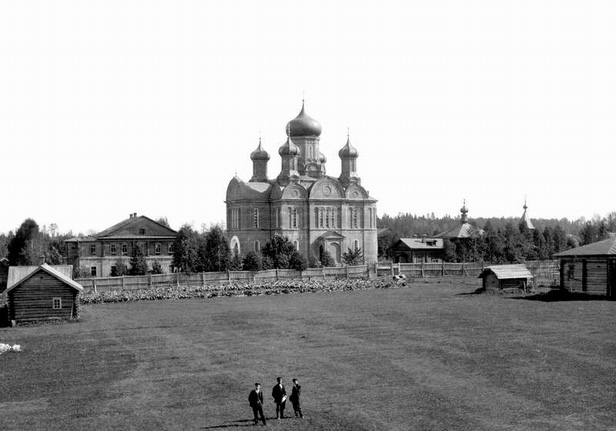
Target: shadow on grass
561	296
235	424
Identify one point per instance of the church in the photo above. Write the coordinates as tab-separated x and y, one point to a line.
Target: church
315	211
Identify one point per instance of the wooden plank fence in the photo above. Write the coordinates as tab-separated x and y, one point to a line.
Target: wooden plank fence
544	271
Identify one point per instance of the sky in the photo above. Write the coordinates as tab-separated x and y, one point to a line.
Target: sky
110	107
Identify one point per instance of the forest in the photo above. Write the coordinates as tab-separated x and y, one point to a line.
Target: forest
498	240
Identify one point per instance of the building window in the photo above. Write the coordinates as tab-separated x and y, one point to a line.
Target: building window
56	303
92	248
112	249
93	271
124	248
141	231
354	218
321	217
296	244
257	247
157	248
293	217
170	248
114	270
235	218
279	217
571	272
255	217
355	245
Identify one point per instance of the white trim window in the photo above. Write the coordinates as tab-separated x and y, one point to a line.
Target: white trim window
124	248
157	248
113	249
56	303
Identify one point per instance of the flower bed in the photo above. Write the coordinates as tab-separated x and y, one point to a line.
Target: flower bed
236	289
8	348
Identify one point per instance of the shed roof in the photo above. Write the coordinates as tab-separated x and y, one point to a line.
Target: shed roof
505	272
599	248
19	274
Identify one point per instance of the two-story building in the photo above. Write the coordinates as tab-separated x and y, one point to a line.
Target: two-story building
99	253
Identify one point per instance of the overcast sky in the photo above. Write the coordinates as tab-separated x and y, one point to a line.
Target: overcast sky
114	107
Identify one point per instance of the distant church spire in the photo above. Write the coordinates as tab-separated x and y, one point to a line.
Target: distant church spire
464	212
525	220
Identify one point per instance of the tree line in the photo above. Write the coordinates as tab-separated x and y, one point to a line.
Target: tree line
503	240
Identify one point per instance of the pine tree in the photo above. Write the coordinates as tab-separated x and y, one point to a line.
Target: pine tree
185	248
138	265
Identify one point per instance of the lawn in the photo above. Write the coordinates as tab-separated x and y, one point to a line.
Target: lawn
432	356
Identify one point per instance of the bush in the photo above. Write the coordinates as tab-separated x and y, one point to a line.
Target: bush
252	262
157	268
298	261
327	259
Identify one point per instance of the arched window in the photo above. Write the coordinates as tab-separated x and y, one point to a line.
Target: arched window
356	245
296	244
235	245
257	247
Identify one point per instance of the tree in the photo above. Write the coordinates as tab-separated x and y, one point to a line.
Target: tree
157	268
236	263
252	262
449	251
163	221
279	251
138	265
353	257
298	261
214	251
185	249
327	260
26	248
81	272
119	268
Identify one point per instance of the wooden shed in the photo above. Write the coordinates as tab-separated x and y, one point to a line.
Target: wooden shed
590	269
506	278
42	292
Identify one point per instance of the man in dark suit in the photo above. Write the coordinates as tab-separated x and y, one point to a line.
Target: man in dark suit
256	402
279	394
295	394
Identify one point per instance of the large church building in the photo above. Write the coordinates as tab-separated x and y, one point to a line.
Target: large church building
315	211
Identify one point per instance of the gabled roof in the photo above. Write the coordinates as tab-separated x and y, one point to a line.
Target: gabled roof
131	226
19	274
504	272
420	243
330	234
600	248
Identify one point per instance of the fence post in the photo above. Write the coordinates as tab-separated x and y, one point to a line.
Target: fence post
276	274
423	274
94	284
123	284
391	264
177	279
442	269
346	270
150	280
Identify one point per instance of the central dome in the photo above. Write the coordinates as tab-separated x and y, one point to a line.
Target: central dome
303	125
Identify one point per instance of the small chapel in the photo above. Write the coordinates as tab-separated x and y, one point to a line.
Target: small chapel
317	212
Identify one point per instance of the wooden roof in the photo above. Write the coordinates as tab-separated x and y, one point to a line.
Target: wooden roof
19	274
419	244
505	272
607	247
463	230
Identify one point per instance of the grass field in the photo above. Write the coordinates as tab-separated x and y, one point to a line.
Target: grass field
433	356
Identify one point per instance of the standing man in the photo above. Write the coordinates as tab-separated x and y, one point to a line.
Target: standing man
279	394
256	402
295	393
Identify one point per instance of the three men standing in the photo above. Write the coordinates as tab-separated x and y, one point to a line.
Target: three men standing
279	394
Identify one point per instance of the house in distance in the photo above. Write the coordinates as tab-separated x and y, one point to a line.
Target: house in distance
99	253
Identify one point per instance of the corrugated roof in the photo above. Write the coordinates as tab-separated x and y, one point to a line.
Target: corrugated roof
600	248
19	274
504	272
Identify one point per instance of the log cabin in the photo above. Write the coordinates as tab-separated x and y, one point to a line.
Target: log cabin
42	292
506	279
590	269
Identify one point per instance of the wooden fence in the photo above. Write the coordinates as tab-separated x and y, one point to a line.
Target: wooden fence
545	272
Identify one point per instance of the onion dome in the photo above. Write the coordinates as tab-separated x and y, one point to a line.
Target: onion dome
348	151
322	158
463	212
303	125
259	153
289	148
